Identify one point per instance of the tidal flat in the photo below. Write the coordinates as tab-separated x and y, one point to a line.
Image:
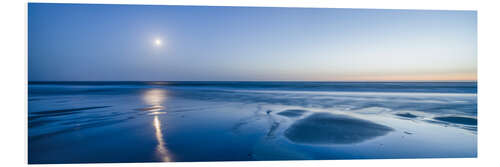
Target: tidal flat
103	122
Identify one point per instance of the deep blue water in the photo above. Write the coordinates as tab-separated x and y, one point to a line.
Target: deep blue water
91	122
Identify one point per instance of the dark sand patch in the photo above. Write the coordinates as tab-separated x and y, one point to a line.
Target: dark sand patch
272	129
471	128
325	128
32	124
51	113
34	99
458	120
68	110
407	115
149	108
292	113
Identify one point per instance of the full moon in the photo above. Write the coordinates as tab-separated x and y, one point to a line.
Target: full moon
158	42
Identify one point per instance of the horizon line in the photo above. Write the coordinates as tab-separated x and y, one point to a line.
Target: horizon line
257	81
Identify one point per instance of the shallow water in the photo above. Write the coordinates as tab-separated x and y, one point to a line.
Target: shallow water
91	122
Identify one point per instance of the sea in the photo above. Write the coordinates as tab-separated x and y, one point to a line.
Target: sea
191	121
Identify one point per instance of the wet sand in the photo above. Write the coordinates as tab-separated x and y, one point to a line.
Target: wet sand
458	120
149	123
325	128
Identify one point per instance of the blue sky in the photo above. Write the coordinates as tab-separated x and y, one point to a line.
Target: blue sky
75	42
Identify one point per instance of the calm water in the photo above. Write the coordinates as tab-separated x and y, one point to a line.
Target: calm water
90	122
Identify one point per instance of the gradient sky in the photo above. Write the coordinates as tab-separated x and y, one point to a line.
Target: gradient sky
75	42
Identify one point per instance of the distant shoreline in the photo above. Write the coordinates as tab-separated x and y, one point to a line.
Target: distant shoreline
262	81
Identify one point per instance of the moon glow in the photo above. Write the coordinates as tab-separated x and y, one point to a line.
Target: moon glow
157	42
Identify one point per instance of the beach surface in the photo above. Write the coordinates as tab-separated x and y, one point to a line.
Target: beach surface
103	122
